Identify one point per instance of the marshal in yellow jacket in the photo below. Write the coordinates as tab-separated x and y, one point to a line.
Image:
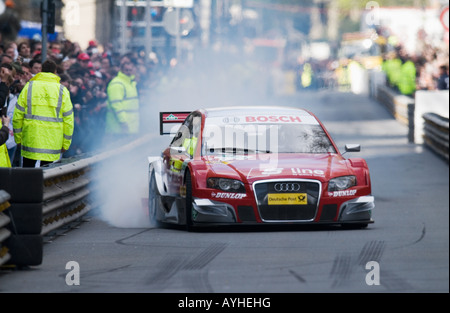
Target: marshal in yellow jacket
122	116
43	119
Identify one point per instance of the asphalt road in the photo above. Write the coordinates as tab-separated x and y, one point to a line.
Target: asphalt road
118	251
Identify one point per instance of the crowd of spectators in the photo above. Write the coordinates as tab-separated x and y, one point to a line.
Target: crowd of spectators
432	69
85	72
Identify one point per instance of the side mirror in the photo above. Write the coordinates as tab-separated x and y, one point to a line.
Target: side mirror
177	150
352	147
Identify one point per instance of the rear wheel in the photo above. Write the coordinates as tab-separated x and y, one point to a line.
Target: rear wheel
189	224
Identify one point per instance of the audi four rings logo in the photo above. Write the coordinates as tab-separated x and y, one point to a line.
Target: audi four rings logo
287	187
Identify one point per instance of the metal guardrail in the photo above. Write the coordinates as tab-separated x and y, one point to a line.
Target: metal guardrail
62	198
400	106
4	231
67	187
436	133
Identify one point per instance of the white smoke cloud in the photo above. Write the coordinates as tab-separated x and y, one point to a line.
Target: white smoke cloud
212	80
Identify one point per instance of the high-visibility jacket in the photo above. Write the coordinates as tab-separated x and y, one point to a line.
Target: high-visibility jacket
307	75
4	156
43	120
393	68
407	80
123	105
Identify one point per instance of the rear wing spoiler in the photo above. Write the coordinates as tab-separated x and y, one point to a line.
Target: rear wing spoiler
169	122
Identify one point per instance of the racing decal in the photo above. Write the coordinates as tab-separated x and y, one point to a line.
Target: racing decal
271	171
289	119
228	195
342	193
258	172
175	117
307	171
287	199
273	119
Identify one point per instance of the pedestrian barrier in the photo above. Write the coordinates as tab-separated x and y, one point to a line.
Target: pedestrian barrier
436	133
400	106
43	200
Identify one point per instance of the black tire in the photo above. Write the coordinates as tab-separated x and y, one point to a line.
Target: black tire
26	218
152	199
189	223
25	250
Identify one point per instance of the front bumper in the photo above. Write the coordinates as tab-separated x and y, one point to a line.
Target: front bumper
207	211
358	209
210	211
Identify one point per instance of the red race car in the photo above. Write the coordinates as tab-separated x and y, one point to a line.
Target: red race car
255	165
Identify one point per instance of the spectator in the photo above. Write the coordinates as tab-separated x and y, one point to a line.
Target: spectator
36	48
48	130
4	134
23	75
36	66
81	67
442	83
24	52
5	58
27	75
76	89
5	79
11	50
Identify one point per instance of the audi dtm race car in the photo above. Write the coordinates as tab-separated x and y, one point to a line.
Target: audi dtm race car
255	165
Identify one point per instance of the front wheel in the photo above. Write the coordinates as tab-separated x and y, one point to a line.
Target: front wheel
189	224
152	198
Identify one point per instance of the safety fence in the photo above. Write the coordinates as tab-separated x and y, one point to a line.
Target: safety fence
436	133
426	115
34	202
400	106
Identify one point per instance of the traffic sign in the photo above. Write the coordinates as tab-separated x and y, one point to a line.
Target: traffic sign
444	18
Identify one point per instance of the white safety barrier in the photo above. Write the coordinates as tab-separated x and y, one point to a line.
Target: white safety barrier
428	102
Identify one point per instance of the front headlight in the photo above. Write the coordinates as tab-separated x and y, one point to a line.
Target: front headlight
341	183
225	184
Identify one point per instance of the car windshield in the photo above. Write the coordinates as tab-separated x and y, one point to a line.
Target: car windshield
242	138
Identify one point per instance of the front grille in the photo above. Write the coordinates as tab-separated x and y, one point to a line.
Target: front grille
284	200
246	214
329	212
